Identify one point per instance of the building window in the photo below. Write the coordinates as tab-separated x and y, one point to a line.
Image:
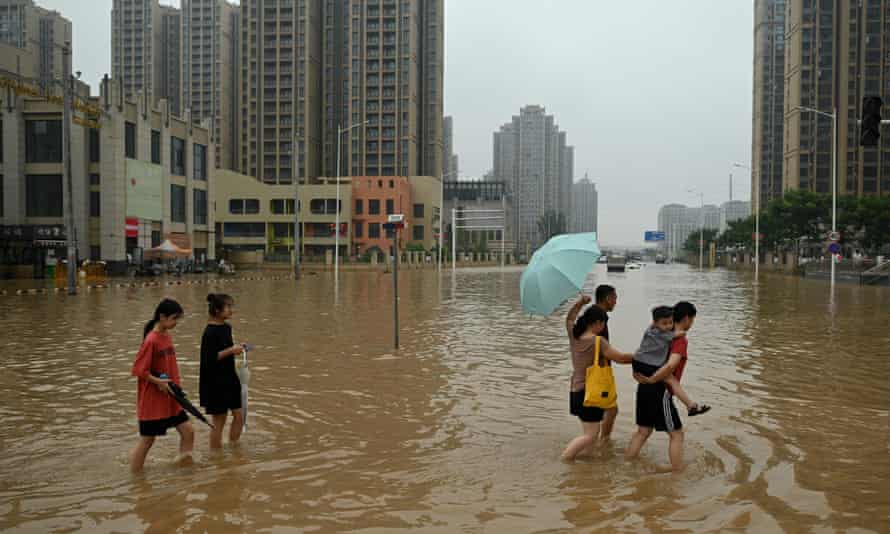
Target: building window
95	210
236	206
374	230
373	207
95	151
177	203
392	184
199	210
177	156
156	147
390	206
244	229
357	229
418	232
43	194
130	140
359	206
43	141
1	189
251	206
95	253
418	211
95	179
200	163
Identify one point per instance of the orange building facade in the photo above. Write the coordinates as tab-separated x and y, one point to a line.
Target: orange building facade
374	198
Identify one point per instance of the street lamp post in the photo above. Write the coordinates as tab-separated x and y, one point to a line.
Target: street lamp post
701	227
296	164
340	132
442	213
833	117
756	219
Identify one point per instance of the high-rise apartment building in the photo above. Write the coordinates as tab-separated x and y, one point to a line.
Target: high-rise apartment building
530	155
450	167
171	59
281	89
768	111
143	39
310	68
40	33
835	54
678	222
209	66
585	206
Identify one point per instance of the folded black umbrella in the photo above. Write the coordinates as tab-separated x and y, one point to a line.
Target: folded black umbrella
186	404
177	393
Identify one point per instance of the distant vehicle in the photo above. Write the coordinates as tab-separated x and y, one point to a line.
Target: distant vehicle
634	266
659	258
603	259
616	264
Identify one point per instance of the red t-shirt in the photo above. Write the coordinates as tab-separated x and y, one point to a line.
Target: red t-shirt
679	346
156	356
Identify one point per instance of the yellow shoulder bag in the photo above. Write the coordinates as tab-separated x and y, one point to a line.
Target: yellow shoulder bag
599	385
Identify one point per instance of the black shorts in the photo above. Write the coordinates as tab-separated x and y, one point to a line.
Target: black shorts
587	414
223	400
158	427
655	408
644	369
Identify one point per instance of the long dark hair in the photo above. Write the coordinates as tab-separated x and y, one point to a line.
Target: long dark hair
216	303
167	308
594	314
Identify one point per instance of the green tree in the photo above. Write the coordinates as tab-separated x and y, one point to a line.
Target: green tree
552	223
691	244
738	234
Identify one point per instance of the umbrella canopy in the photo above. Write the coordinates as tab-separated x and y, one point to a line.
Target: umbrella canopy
557	271
186	404
168	249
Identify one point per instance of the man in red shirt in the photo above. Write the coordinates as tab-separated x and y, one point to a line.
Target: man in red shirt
655	405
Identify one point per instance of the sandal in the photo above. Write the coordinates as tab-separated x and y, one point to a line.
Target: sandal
699	409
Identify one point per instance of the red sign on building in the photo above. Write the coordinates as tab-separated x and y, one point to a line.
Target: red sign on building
132	227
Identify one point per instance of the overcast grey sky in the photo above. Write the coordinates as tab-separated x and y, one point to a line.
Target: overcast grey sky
655	95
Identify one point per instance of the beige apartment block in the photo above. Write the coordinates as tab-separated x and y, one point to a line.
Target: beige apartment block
37	37
140	163
210	36
834	54
139	49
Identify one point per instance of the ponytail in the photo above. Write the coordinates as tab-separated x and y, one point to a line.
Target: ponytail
594	314
167	308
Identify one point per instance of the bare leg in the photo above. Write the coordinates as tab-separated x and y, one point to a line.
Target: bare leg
219	421
678	391
186	439
676	450
608	423
637	442
581	442
237	426
137	457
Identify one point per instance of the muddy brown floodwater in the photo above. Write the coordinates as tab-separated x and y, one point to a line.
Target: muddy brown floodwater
460	430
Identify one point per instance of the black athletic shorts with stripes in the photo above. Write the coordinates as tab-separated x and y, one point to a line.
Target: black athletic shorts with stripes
655	404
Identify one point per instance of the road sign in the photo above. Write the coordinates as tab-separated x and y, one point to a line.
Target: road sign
834	236
834	248
652	236
395	218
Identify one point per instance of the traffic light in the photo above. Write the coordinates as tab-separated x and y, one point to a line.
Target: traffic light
871	121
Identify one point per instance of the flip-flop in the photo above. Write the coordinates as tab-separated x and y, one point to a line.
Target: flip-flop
698	410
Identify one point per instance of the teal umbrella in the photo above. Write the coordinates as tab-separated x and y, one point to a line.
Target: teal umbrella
557	272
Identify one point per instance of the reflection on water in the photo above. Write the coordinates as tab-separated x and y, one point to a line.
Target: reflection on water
461	429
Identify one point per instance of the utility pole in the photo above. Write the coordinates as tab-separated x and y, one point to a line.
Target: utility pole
296	163
67	89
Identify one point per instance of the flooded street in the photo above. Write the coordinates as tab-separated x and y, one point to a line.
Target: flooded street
461	429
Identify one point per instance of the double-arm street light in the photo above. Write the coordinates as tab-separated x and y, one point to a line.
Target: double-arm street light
442	213
833	117
340	132
756	199
701	227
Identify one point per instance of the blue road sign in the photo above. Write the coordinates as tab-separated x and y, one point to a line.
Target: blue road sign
834	248
653	236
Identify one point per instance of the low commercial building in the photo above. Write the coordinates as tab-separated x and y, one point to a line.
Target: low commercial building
256	216
139	176
490	196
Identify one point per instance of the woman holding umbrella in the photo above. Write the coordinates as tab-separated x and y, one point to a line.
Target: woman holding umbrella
219	386
588	349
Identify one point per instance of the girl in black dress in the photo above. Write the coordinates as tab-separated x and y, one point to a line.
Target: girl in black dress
219	387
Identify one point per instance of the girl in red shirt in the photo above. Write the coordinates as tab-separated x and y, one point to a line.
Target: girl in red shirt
156	408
